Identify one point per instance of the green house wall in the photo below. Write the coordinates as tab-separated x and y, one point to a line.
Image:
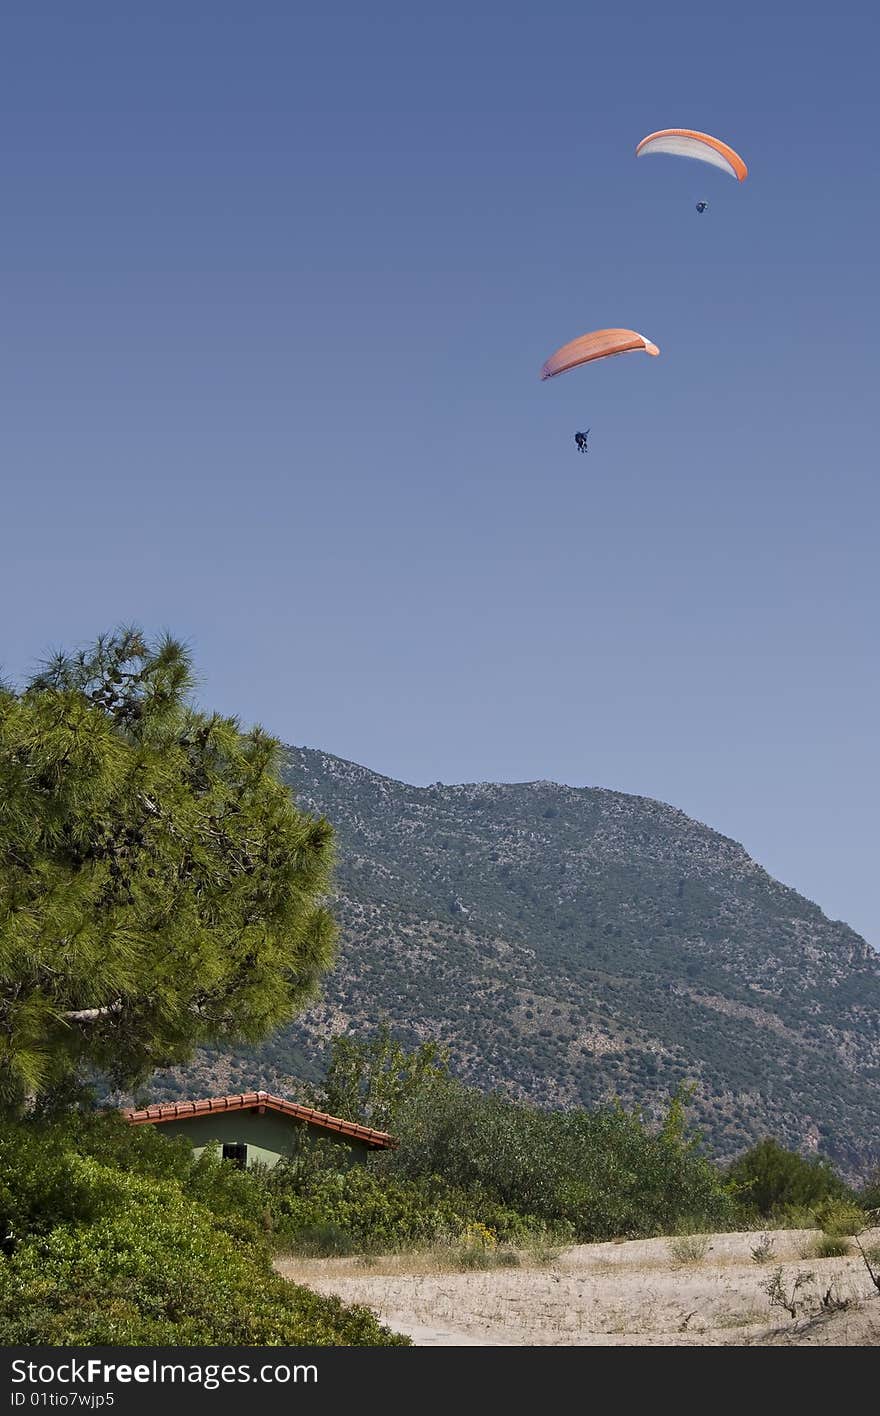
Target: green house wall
268	1136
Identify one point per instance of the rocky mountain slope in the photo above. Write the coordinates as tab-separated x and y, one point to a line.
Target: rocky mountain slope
573	944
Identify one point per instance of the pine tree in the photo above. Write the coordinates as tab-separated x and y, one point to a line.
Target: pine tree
159	889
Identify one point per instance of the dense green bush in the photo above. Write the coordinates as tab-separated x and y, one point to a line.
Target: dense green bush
371	1209
603	1174
158	1272
840	1217
770	1180
43	1181
95	1253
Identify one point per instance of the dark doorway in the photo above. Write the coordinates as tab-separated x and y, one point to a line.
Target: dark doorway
235	1151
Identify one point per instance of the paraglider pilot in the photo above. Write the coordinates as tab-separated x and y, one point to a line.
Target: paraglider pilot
581	440
701	207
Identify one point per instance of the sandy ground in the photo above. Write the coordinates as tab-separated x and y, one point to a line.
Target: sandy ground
640	1293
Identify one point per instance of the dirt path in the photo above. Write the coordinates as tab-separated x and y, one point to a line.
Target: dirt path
641	1293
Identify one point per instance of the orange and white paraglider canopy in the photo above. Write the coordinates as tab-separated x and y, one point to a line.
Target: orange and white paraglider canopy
685	142
600	344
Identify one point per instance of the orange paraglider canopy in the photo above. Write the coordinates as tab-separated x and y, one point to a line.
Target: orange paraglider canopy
600	344
685	142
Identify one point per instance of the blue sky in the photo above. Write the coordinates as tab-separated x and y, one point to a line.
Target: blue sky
276	283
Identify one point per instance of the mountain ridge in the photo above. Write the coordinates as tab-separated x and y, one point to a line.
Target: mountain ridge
573	944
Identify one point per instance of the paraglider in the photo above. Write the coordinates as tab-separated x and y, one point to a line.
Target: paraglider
701	207
686	142
599	344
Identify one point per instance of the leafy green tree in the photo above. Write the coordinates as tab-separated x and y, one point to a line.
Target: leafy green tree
370	1080
771	1178
158	887
869	1195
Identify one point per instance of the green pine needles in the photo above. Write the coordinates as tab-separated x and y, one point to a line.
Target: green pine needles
159	889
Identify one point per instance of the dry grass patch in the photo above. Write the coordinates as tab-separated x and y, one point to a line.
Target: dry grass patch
826	1246
689	1248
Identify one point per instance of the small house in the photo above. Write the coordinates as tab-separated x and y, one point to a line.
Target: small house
257	1126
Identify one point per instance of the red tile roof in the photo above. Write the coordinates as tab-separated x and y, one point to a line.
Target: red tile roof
249	1101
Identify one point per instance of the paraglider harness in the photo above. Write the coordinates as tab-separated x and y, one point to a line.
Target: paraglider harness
581	441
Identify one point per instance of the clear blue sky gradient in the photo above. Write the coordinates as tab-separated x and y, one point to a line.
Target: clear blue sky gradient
276	283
